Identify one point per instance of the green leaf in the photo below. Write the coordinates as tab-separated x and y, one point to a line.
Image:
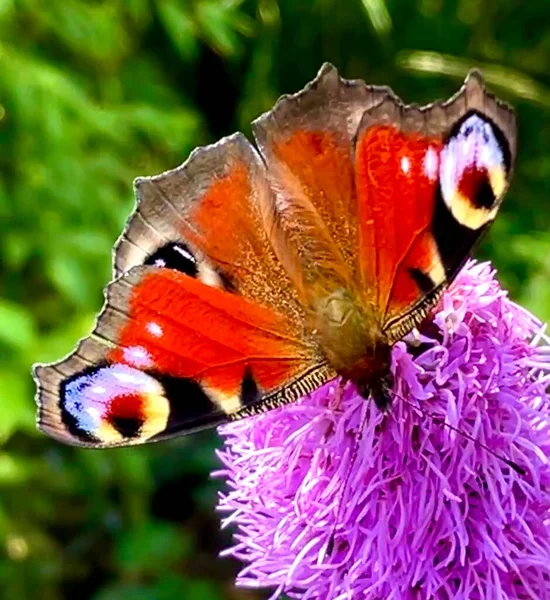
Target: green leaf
180	27
16	326
221	23
124	591
17	409
13	470
146	548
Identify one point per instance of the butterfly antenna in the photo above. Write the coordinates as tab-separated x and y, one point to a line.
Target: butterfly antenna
359	437
507	461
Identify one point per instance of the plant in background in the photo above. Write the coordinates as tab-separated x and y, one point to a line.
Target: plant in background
422	512
78	120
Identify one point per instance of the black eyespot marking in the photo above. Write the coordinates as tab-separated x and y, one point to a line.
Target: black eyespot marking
423	281
484	196
174	255
128	427
454	241
178	256
190	406
250	393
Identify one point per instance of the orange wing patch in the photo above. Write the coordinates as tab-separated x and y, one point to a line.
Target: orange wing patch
224	225
321	163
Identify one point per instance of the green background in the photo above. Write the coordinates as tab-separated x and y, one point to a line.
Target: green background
93	94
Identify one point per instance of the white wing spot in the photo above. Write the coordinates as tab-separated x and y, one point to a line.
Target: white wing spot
405	165
93	412
431	164
185	253
154	329
137	356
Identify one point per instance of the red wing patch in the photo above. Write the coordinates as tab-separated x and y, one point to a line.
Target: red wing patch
397	178
193	331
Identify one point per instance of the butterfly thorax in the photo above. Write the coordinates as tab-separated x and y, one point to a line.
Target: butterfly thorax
354	344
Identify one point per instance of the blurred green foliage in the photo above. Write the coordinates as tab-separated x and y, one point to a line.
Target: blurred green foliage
94	93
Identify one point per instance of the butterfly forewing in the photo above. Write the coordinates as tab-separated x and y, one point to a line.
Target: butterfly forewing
189	334
429	183
211	209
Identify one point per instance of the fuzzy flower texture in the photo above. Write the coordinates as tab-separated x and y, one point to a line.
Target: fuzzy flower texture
423	512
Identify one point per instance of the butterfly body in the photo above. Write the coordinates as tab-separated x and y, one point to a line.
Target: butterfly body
352	339
249	276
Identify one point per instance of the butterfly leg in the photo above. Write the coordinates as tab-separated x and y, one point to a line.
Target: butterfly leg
413	338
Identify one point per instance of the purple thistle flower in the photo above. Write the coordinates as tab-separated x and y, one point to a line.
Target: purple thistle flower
425	512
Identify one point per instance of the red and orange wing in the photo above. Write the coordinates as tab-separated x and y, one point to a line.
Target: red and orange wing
170	355
210	328
207	218
429	182
306	141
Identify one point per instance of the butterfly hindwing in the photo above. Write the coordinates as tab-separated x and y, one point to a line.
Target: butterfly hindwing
170	355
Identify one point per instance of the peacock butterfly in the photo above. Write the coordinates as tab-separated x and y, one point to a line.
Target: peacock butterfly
248	276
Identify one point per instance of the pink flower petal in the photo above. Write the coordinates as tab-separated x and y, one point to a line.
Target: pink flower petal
424	512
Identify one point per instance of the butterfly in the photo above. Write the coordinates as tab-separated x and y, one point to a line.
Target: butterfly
251	275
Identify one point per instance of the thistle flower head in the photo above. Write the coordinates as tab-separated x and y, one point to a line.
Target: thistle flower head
423	511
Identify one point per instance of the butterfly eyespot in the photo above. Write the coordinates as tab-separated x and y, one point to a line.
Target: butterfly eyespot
474	165
113	404
174	255
179	257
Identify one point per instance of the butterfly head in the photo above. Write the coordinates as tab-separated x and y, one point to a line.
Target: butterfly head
372	374
379	389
